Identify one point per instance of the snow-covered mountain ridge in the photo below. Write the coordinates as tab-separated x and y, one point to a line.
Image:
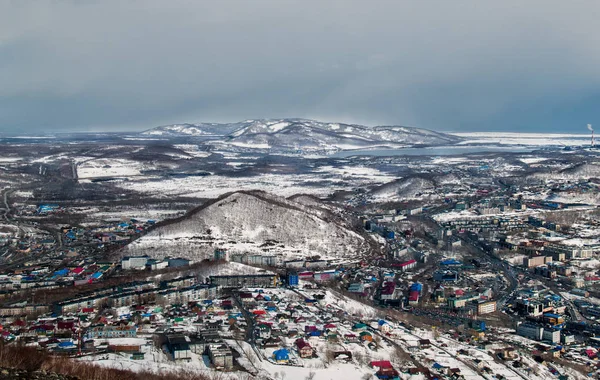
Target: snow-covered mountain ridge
303	134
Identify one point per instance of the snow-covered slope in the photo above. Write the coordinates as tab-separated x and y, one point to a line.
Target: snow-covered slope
253	222
194	130
306	135
404	189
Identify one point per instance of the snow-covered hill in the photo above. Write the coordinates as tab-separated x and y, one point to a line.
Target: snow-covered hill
253	222
305	135
193	130
404	189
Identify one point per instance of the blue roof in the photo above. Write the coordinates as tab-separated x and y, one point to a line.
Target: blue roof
62	272
450	262
281	354
551	315
49	206
65	344
97	275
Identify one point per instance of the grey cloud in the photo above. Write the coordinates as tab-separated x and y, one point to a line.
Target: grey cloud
460	65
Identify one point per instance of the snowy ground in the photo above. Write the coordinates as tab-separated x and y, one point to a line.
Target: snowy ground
531	139
323	182
99	168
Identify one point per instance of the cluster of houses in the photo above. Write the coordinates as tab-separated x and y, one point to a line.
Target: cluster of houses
113	322
42	277
106	235
289	327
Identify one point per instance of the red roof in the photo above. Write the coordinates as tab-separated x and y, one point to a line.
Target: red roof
381	364
413	296
590	353
388	288
77	270
409	262
459	292
301	343
66	325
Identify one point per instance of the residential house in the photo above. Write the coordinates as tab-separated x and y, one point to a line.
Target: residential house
281	356
305	350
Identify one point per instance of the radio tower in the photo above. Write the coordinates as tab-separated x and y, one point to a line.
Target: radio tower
592	129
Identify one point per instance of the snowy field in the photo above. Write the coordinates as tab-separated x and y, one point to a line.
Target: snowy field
322	183
99	168
530	139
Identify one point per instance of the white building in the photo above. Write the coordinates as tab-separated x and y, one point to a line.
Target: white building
159	265
551	335
134	262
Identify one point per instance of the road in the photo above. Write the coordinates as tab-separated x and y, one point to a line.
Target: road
6	205
500	265
251	329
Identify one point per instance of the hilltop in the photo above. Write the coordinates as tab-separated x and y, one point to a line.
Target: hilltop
255	222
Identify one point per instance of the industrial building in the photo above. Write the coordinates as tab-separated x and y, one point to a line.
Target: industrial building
246	280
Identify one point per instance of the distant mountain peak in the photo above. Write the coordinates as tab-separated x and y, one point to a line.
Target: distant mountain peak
296	134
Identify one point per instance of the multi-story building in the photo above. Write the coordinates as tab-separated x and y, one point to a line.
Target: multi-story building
529	307
185	295
486	307
536	261
105	332
135	297
74	305
134	262
248	280
530	330
179	282
570	252
220	356
460	302
551	335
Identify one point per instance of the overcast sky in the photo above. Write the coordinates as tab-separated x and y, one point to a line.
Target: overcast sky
443	65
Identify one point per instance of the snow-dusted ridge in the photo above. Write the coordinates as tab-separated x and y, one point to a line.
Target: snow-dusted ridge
304	135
